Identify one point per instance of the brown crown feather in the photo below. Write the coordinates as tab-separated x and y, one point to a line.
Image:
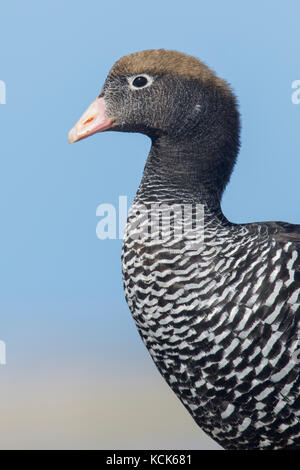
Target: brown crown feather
158	61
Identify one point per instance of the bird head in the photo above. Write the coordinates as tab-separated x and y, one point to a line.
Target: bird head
178	102
159	92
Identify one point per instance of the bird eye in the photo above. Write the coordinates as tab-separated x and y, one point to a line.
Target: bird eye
140	81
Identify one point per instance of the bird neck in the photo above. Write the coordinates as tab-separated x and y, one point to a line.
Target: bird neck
184	172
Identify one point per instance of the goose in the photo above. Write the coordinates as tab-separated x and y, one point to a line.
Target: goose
216	303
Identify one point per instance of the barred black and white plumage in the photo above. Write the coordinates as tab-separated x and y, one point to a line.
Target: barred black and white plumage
219	312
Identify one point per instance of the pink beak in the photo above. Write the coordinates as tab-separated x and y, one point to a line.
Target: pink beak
93	120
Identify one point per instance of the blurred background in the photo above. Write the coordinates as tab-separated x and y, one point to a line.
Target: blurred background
77	374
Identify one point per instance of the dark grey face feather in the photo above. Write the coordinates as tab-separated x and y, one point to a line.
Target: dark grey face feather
193	121
177	107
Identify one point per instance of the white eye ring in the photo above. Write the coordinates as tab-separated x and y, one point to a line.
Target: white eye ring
142	75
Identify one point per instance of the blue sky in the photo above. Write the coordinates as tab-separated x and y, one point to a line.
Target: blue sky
61	287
